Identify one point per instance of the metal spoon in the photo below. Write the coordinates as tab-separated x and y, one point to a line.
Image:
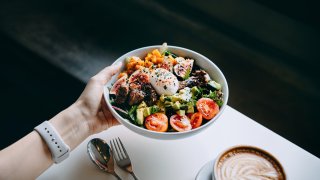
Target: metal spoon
100	154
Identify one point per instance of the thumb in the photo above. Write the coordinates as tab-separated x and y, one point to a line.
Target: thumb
105	74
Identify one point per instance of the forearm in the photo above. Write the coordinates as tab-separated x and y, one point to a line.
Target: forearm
30	156
25	159
71	125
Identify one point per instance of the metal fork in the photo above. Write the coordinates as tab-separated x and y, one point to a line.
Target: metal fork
121	156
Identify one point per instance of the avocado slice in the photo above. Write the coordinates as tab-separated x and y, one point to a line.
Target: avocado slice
183	107
162	98
214	84
176	105
142	105
140	117
175	98
190	109
168	104
146	111
181	112
195	91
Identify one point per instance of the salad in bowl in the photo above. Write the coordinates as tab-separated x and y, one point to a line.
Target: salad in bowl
166	90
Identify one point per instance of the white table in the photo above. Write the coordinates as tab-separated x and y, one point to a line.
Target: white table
182	159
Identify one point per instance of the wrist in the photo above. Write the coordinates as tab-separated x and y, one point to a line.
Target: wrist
71	125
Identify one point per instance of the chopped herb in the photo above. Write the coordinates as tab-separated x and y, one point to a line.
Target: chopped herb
167	53
187	74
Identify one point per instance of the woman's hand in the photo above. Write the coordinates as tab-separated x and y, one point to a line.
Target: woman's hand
89	114
92	103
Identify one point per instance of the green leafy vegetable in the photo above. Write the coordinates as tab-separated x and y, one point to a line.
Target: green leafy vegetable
216	96
112	101
132	113
167	53
154	109
219	102
211	95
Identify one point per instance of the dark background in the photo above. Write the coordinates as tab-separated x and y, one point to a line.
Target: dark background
268	51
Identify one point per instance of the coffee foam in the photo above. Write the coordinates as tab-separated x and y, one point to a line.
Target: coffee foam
247	163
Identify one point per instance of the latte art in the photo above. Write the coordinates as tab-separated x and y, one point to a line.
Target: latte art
247	164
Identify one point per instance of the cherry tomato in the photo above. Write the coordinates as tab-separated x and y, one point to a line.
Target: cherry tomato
189	115
157	122
180	123
196	120
207	107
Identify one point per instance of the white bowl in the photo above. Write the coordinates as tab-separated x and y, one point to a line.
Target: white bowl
202	61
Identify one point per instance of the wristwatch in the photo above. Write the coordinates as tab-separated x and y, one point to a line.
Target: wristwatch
59	150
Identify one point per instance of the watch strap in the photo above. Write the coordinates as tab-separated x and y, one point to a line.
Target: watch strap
59	150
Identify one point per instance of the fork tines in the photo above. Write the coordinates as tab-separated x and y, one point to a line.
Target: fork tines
118	148
121	156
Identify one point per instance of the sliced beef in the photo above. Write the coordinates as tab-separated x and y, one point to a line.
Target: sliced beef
151	95
136	96
122	94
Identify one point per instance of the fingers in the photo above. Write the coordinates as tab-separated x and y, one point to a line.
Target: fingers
107	120
115	122
107	115
111	121
105	74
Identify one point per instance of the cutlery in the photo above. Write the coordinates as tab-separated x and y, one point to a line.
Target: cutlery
121	156
101	155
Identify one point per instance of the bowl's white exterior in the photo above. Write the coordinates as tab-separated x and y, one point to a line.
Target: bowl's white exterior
201	61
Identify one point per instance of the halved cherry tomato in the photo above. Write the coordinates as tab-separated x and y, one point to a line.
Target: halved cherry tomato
196	120
207	107
180	123
157	122
189	115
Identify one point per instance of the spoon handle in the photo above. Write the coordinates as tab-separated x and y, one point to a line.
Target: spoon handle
134	176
